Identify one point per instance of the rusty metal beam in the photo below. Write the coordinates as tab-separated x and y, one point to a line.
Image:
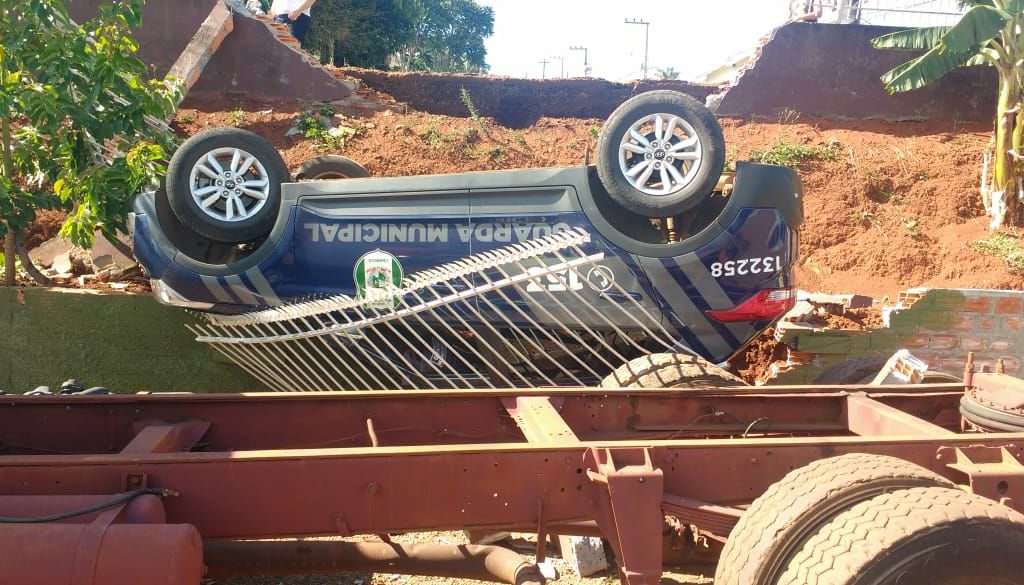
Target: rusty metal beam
537	417
867	417
394	489
166	437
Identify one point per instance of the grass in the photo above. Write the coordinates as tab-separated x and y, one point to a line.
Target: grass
432	137
467	100
237	117
793	155
312	126
1005	246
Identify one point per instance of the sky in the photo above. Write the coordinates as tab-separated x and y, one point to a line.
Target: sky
694	36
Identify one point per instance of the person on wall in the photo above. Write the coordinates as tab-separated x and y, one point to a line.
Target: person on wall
294	13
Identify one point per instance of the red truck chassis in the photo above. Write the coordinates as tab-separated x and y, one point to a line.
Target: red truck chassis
230	469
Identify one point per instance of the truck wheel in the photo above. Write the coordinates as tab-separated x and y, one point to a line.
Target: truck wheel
920	536
776	525
331	166
225	184
852	371
660	153
670	370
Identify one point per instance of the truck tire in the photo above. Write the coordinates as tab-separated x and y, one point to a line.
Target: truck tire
331	166
660	154
670	370
225	184
919	536
789	512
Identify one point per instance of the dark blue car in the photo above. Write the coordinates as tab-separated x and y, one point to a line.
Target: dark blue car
234	232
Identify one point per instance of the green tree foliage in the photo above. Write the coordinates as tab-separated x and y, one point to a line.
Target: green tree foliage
362	33
74	106
989	33
667	73
425	35
450	37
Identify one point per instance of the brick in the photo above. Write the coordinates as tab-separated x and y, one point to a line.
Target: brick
951	364
825	343
972	343
915	341
1011	324
904	321
1009	305
942	342
937	320
885	341
1001	346
963	323
985	324
978	305
942	300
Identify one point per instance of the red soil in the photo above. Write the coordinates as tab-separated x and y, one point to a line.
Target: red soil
897	208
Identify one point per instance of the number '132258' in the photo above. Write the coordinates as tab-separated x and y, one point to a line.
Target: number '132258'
766	265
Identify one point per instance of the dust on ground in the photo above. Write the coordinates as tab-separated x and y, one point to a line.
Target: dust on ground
683	575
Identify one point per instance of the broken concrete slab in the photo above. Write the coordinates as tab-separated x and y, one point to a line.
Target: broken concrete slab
44	254
105	254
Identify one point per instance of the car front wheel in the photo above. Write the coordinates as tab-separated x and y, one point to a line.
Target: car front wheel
225	184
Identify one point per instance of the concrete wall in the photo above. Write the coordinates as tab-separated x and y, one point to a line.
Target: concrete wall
251	60
939	326
167	27
515	103
831	70
127	343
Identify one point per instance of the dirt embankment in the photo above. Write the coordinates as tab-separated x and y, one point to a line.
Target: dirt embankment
896	207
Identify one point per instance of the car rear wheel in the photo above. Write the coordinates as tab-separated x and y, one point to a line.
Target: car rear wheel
225	184
331	166
660	154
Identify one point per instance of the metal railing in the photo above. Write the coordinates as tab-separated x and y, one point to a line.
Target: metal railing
490	320
901	13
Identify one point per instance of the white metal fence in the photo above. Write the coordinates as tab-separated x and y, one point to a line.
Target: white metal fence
901	13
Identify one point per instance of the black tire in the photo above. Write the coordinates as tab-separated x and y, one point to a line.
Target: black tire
852	371
920	536
269	166
331	166
683	195
670	370
774	528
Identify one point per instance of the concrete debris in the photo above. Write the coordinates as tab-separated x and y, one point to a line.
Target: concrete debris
584	553
45	254
901	368
61	263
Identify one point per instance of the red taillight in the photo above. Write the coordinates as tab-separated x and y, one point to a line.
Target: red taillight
764	306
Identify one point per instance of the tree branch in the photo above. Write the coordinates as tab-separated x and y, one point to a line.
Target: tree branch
30	268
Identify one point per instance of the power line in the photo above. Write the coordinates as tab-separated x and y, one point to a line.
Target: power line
544	68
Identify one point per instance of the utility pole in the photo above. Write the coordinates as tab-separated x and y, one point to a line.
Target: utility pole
562	61
647	39
586	60
544	68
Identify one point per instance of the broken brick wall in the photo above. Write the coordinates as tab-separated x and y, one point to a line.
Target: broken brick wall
938	326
